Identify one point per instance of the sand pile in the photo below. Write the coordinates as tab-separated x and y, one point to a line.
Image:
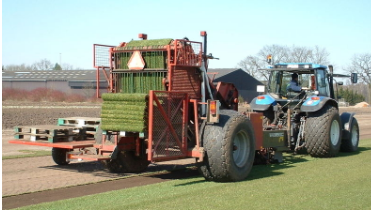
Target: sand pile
361	105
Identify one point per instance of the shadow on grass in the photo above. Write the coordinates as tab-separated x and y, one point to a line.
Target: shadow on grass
359	151
263	171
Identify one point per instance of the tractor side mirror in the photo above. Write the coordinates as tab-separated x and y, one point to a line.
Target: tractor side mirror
354	77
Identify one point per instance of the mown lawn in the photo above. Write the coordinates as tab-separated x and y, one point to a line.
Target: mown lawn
300	183
28	154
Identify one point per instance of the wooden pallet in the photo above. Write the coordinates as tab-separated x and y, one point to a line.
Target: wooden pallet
79	121
88	125
47	133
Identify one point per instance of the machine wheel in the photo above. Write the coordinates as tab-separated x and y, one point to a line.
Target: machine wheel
60	156
127	162
351	143
323	132
229	148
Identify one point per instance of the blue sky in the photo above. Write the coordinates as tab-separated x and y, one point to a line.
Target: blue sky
37	29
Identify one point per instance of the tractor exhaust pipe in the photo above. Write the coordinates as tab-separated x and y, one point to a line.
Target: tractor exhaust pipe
331	69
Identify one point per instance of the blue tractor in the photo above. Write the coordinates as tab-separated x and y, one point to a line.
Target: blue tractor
303	113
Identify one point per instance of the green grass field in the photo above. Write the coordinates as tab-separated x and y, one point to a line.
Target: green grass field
28	154
300	183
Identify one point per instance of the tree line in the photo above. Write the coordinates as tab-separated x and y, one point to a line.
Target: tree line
43	64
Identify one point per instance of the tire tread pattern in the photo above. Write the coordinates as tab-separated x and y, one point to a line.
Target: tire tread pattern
218	163
317	132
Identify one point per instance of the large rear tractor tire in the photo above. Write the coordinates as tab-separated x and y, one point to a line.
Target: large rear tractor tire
351	143
323	132
60	156
127	162
229	148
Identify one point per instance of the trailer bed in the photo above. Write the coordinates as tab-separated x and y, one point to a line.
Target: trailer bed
62	145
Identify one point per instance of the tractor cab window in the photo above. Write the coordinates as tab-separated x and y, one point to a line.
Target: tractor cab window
274	82
279	81
322	82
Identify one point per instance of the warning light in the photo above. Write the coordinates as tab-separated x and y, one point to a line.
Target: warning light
269	59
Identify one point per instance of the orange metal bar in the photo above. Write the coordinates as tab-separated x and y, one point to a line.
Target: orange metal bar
257	124
170	67
194	153
185	123
196	122
63	145
98	87
101	147
159	159
150	125
88	157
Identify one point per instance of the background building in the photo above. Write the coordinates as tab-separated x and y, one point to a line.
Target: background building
83	82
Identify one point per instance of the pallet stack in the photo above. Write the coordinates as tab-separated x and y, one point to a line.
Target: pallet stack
87	126
46	133
67	130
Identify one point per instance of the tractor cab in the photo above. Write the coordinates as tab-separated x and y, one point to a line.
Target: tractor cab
311	79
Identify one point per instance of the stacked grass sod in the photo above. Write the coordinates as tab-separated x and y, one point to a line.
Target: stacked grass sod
141	82
135	44
152	59
124	112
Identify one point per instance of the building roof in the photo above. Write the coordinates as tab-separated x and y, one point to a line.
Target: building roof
241	79
52	75
215	73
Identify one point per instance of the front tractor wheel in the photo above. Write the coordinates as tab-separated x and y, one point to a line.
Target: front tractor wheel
323	132
229	148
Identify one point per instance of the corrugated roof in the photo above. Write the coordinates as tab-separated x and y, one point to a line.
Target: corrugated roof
63	75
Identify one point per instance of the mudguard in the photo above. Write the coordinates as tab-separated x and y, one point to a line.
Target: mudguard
262	102
346	122
315	103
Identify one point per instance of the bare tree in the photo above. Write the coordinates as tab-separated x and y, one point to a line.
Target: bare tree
21	67
66	66
320	56
43	64
251	64
300	54
279	53
361	64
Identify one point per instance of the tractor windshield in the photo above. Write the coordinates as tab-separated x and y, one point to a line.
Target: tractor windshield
280	79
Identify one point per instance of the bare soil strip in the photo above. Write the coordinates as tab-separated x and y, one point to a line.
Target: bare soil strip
78	191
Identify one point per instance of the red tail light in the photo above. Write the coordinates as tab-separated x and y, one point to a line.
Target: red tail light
213	107
261	97
315	98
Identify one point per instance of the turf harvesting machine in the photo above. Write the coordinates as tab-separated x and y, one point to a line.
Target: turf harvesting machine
161	105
